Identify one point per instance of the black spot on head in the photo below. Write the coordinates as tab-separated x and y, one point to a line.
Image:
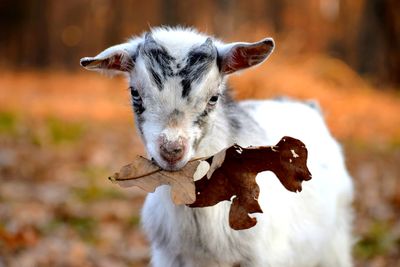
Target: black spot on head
198	62
158	62
156	78
186	87
160	58
198	57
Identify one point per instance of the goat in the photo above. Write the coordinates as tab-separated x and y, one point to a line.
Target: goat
183	109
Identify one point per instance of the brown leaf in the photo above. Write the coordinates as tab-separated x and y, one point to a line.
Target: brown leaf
24	237
228	175
146	175
235	178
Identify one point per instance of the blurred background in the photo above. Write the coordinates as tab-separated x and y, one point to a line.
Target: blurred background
64	130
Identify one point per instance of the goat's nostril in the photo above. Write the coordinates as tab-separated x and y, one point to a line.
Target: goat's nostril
177	150
172	151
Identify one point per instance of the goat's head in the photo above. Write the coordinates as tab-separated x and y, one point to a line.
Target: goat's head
176	79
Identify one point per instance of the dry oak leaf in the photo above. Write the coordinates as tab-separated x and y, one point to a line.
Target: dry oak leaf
228	175
148	176
235	178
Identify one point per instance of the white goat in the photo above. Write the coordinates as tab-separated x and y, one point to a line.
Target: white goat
183	109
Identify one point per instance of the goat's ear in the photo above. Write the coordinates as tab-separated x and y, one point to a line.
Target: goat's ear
238	56
118	58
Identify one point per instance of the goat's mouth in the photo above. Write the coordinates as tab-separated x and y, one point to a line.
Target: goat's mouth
168	165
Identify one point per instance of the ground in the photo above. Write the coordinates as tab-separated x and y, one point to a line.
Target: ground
62	134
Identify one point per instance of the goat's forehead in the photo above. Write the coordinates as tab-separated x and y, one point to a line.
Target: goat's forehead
178	42
182	66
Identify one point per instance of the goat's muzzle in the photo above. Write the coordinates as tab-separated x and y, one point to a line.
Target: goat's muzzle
172	151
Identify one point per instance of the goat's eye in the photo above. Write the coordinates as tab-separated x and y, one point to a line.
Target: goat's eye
213	100
134	93
137	100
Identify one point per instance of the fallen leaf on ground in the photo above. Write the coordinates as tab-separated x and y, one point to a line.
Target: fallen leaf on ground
228	175
25	237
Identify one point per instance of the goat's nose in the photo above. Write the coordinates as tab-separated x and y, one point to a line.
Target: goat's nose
172	151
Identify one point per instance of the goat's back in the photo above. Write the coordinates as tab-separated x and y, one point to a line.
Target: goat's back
317	220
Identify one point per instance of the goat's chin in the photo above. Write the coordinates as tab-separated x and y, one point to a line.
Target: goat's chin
171	166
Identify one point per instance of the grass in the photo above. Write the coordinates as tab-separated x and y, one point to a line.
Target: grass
378	241
93	193
84	226
62	131
53	130
134	221
8	122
